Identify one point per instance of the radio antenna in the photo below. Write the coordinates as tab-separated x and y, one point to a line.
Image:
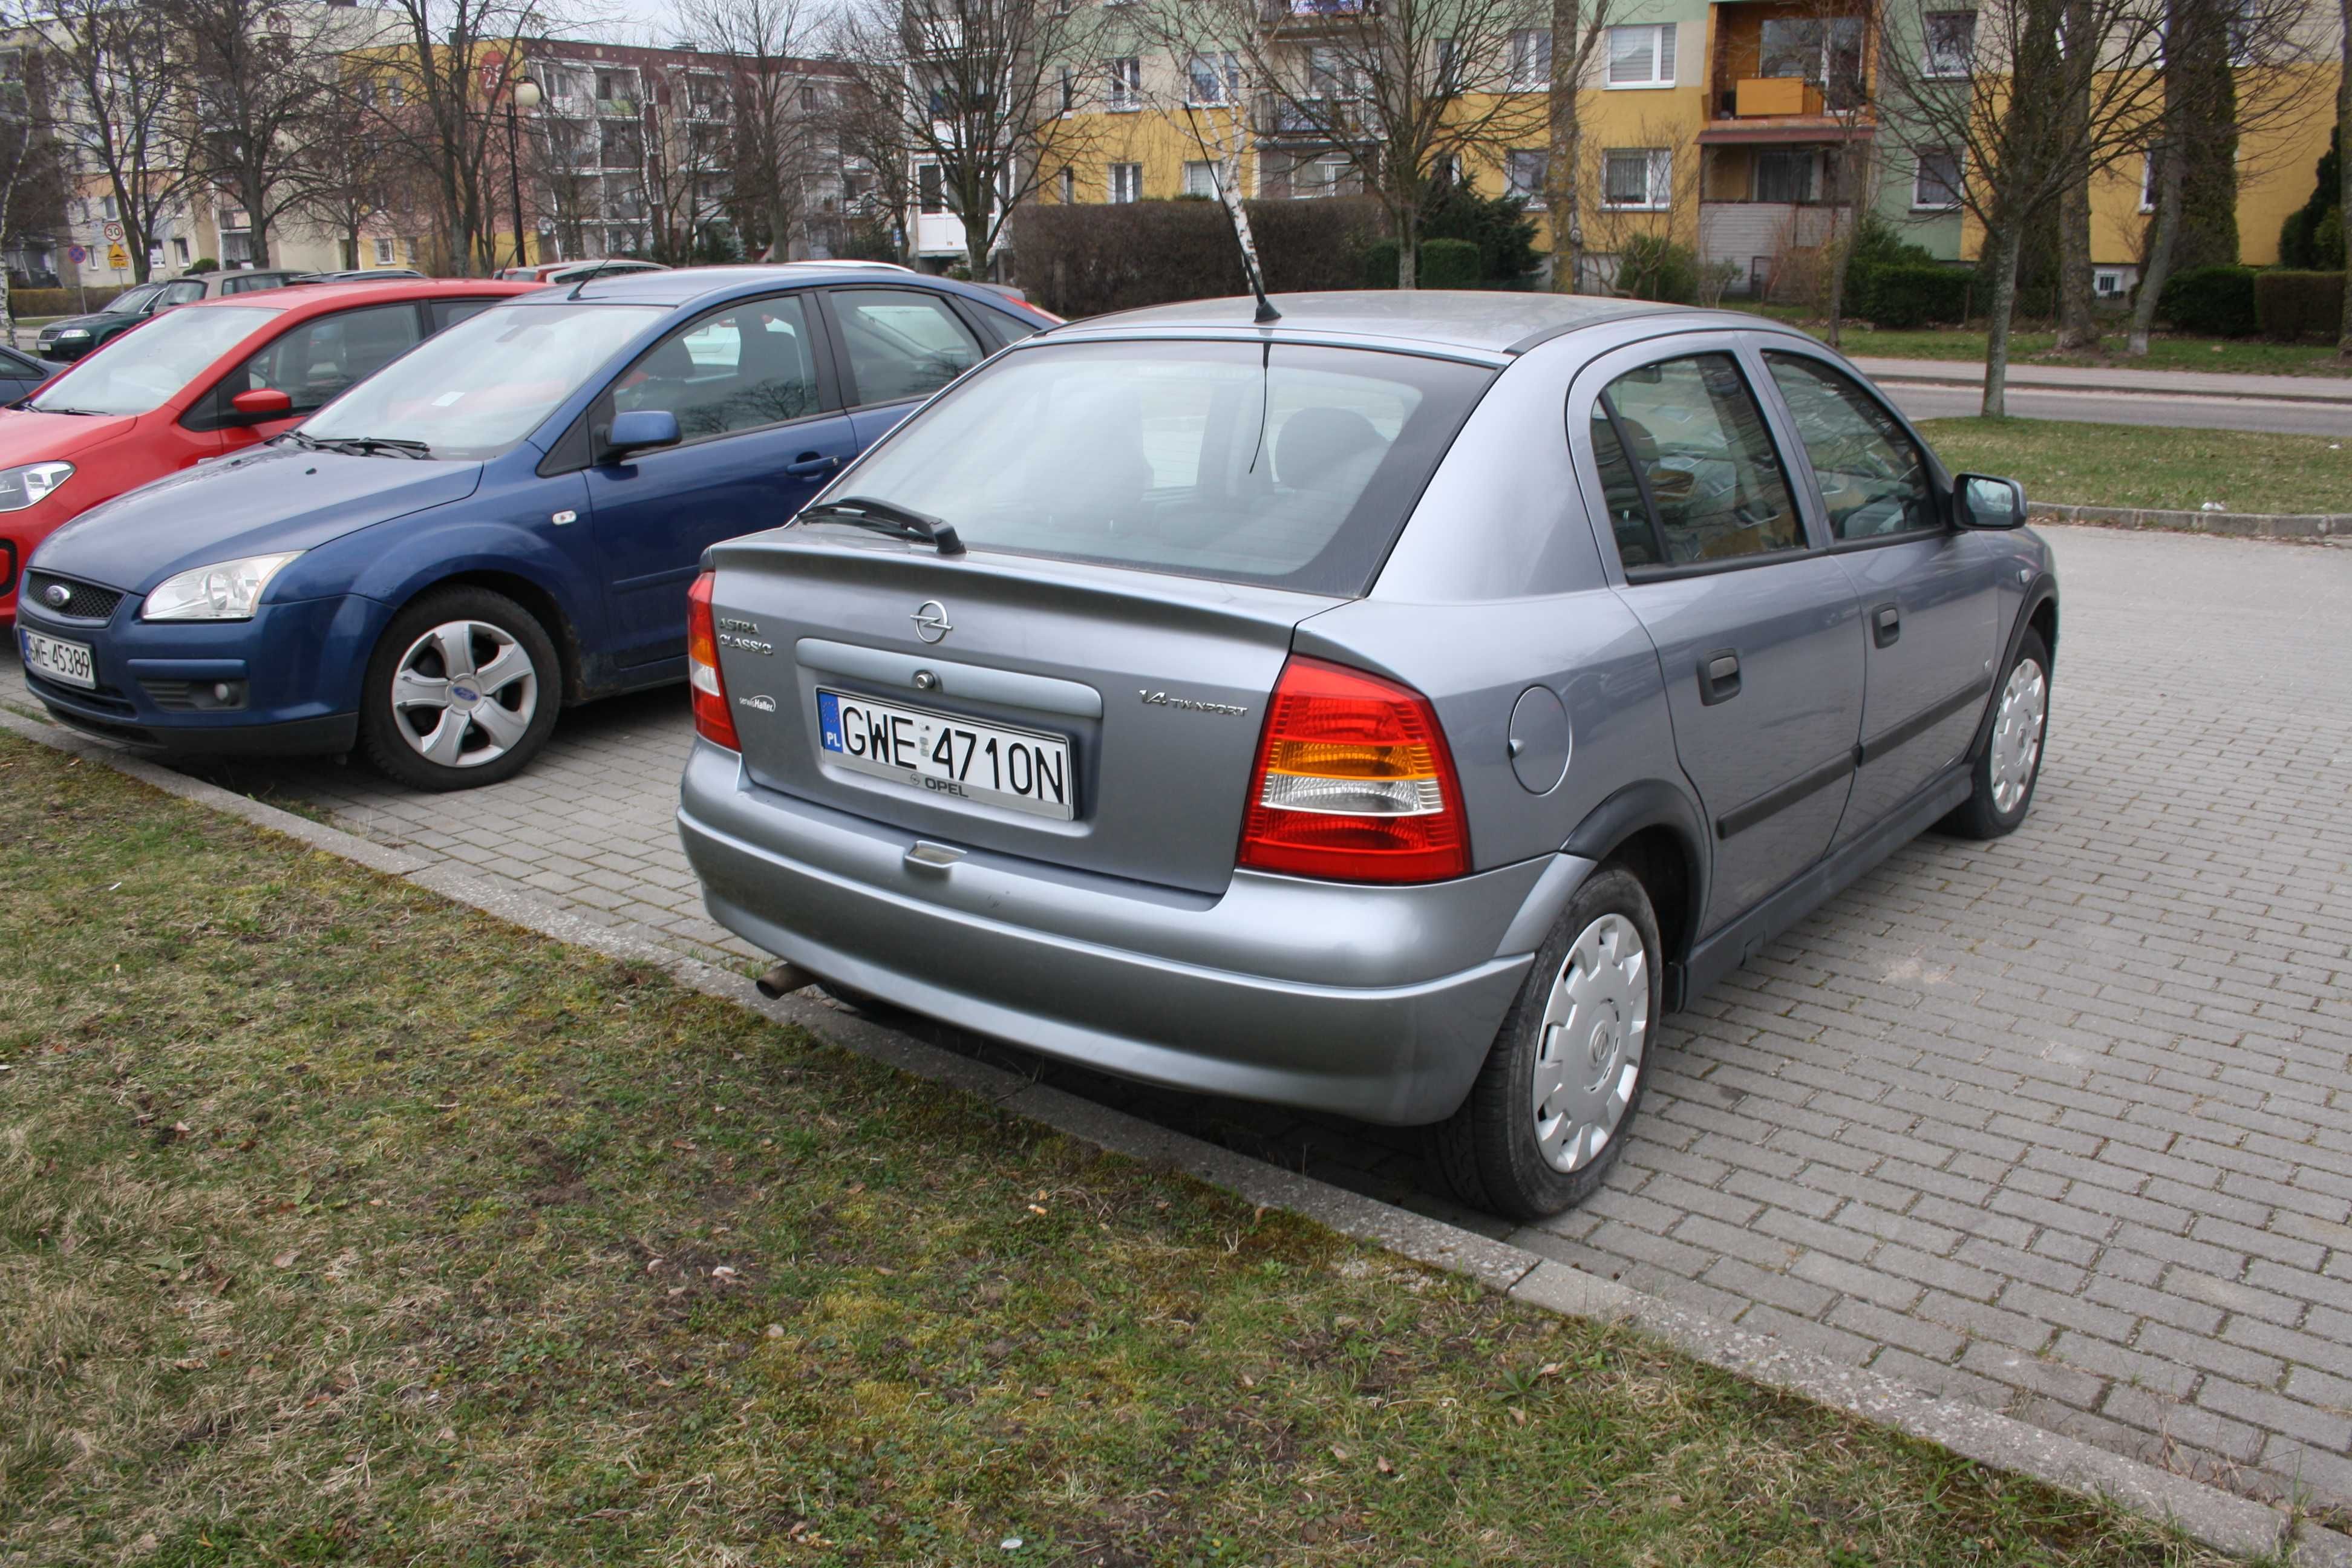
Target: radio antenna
1267	314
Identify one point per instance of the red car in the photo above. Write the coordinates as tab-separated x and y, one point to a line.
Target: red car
198	381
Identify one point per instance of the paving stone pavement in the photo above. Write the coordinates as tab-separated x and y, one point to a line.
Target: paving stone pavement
2060	1125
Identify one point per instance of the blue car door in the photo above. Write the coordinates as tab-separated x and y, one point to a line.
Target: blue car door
752	386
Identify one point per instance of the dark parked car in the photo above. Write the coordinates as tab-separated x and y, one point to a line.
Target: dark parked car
1393	711
73	336
502	522
20	374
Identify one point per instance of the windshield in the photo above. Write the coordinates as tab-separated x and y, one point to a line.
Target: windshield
1288	465
140	369
476	390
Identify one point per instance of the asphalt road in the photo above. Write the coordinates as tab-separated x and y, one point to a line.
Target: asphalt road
1922	401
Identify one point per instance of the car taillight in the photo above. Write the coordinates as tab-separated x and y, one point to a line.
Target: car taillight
712	721
1354	782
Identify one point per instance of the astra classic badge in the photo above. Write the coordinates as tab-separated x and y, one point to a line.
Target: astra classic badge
57	595
930	618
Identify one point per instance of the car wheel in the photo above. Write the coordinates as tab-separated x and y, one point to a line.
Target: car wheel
1563	1080
2011	764
462	691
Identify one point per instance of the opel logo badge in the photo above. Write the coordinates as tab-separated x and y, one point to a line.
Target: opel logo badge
57	595
930	618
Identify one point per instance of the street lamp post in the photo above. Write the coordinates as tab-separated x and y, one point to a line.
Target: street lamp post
525	95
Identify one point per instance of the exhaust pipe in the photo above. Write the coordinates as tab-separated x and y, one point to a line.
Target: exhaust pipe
784	980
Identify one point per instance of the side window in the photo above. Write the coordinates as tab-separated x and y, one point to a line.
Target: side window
1874	479
1629	514
1001	328
901	344
752	366
1697	445
447	313
181	294
318	359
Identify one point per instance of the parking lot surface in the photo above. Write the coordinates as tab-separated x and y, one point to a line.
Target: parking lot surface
2061	1124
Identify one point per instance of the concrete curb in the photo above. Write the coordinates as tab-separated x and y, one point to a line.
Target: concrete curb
2206	1514
2317	527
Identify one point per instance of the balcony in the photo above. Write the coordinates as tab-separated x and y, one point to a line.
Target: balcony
1758	97
1306	16
1277	115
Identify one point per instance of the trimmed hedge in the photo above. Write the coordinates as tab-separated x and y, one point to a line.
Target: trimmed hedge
2211	301
1087	259
1450	263
1653	267
1913	295
2291	305
58	301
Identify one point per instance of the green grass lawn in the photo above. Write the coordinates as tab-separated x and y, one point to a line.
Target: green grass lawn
2150	466
340	1224
2247	356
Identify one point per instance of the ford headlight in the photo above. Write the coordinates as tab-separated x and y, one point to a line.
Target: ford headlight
21	488
226	591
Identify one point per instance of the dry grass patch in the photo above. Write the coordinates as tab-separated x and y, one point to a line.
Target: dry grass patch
338	1223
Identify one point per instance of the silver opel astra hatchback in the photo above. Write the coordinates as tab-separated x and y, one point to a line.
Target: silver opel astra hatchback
1394	709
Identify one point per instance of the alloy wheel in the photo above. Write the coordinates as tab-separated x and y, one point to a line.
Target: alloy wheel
464	694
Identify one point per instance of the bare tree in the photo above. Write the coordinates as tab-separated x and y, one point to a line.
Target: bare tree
1405	92
1211	91
261	84
345	183
2200	103
2343	164
2014	120
1669	188
978	90
32	169
766	111
1578	28
869	111
126	108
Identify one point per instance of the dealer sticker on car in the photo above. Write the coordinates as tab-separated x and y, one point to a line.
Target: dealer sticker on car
57	659
946	755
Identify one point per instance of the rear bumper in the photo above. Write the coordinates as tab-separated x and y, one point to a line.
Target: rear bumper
1376	1003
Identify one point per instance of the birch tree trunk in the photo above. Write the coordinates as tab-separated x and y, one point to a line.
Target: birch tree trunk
1562	190
2078	326
2343	170
2006	245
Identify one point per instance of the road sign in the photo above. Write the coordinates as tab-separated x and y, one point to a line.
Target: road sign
114	232
78	254
118	259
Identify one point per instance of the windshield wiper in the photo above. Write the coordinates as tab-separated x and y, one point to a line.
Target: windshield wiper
52	408
299	439
368	445
883	517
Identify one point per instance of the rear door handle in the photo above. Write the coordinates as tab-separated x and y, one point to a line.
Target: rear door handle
809	465
1718	677
1885	623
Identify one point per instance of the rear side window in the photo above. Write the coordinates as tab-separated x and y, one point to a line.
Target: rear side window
328	354
1693	443
1291	465
901	344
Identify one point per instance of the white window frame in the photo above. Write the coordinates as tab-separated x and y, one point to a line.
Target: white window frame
387	251
2147	183
2108	275
1533	196
1943	67
1663	59
1130	174
1069	187
1126	84
1224	69
1658	171
1919	202
1200	177
1526	44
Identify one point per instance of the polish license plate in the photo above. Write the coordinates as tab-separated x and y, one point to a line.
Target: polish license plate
946	755
58	659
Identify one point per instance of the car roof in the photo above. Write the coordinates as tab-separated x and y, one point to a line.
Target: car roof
692	285
1488	322
314	299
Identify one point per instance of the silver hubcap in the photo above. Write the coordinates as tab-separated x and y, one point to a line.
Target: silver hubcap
1589	1057
464	694
2017	734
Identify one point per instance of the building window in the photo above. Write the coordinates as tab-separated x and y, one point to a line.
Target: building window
2147	183
387	252
1323	176
930	193
1952	42
1532	59
180	251
1935	182
1642	57
1069	91
2107	282
1201	180
1526	173
1825	51
1127	83
1786	174
1328	76
1449	69
1069	186
1638	178
111	214
1127	182
1212	80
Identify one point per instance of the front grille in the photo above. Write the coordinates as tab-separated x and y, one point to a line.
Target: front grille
84	600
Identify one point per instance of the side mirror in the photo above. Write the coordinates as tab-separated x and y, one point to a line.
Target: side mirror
640	430
260	406
1981	502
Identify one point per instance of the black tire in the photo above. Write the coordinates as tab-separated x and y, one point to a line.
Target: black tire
1980	816
386	730
1490	1151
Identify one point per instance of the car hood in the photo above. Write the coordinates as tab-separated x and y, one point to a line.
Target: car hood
258	503
93	318
29	436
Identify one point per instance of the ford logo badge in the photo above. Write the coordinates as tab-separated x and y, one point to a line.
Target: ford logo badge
57	595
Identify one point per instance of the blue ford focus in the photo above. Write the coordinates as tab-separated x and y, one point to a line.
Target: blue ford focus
503	522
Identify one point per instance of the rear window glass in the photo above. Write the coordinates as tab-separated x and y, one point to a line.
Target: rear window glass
1288	465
